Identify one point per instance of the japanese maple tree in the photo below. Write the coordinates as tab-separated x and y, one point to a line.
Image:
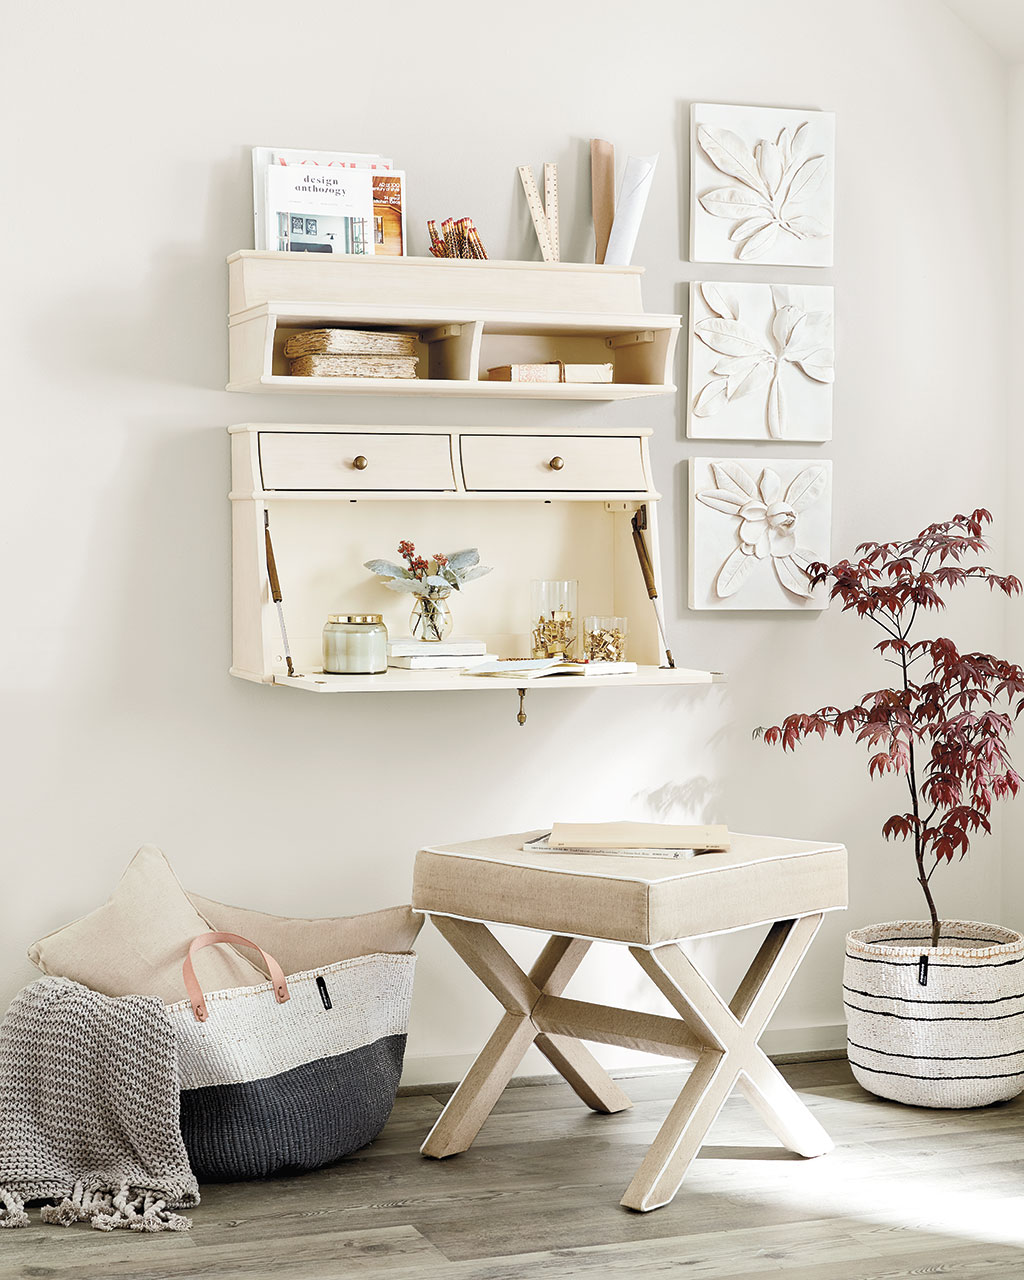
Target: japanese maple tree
945	722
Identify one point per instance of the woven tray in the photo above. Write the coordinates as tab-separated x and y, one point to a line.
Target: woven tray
352	366
343	342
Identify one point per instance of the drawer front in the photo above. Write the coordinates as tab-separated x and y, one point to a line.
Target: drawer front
347	461
554	463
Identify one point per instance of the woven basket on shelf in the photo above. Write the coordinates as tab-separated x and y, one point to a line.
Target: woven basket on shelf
936	1026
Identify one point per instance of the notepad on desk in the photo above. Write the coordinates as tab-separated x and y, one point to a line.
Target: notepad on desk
536	668
632	839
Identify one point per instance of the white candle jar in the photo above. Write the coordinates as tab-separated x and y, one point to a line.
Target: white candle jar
355	644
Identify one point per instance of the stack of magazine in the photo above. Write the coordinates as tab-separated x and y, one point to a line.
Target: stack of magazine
327	202
631	839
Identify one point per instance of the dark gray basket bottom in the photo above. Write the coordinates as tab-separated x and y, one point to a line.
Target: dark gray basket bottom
299	1120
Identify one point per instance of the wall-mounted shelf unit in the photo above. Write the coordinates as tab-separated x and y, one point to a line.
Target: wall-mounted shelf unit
489	487
468	316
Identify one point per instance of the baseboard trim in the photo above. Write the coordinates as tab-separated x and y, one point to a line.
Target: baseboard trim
425	1073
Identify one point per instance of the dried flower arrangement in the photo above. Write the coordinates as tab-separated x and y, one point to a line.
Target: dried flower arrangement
432	580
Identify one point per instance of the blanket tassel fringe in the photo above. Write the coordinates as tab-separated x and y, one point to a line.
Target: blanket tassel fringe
128	1209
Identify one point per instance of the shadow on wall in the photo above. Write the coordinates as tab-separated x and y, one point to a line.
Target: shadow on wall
683	127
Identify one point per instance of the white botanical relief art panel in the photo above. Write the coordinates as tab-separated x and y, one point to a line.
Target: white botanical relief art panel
761	362
762	185
756	525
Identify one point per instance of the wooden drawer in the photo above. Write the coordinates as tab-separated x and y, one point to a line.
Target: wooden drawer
328	460
588	463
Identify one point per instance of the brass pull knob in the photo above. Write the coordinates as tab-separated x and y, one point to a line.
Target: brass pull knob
360	463
556	463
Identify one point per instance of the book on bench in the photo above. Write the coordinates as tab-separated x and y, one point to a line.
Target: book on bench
632	839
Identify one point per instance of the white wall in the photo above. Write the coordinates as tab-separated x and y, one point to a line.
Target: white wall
1013	863
121	724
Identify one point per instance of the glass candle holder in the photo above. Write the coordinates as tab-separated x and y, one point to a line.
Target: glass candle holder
554	626
604	638
355	644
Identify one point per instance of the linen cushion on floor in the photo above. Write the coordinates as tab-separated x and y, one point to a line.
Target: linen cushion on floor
298	945
135	943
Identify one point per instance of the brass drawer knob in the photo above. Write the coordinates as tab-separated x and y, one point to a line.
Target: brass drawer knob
556	463
360	463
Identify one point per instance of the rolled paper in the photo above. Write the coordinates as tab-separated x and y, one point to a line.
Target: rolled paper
602	193
629	209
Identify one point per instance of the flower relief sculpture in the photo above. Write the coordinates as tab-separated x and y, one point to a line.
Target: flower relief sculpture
769	523
767	361
772	176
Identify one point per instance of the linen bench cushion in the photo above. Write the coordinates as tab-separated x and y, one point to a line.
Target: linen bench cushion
641	901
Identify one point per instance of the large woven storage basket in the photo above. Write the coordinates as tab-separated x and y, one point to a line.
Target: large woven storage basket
292	1074
936	1026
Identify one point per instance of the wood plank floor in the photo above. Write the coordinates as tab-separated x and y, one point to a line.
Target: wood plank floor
907	1192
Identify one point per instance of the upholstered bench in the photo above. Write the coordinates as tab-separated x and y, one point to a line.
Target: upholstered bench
649	905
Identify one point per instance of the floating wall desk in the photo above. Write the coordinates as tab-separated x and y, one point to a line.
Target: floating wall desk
647	905
490	487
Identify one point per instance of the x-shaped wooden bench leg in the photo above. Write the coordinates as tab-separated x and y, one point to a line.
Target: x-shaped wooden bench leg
474	1099
730	1055
720	1037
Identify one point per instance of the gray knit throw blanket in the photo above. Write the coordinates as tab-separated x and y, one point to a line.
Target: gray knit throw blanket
89	1111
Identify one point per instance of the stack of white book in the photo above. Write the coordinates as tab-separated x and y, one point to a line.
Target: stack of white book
438	655
631	839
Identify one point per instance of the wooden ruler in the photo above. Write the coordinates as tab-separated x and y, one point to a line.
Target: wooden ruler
551	204
545	220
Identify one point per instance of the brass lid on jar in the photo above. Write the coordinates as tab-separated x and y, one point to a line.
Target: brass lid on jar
355	617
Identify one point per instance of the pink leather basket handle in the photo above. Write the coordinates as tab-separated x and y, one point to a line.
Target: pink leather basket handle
195	991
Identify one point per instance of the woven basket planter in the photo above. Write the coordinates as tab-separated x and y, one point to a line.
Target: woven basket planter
936	1026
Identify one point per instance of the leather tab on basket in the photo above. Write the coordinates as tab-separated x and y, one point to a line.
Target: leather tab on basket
195	991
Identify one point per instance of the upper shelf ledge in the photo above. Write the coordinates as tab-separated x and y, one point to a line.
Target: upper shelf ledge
258	276
468	316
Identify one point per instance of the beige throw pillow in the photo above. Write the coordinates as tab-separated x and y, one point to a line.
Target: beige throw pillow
135	943
298	945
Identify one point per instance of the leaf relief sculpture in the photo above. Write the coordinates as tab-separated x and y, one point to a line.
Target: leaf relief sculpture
797	339
776	180
768	523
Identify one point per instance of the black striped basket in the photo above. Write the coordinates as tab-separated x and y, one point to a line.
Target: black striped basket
936	1026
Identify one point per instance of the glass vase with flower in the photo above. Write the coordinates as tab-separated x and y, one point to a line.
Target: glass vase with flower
431	581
